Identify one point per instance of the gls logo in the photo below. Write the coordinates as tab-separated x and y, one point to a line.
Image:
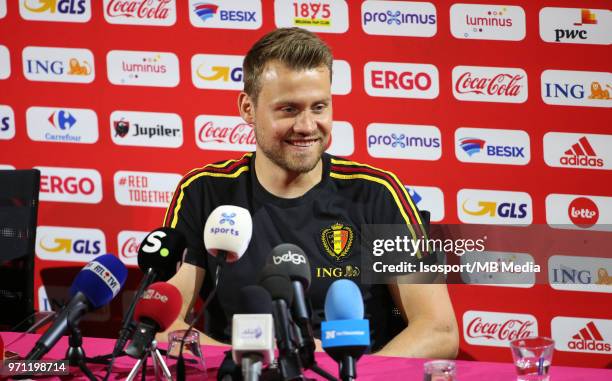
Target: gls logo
70	185
225	14
7	123
322	16
494	207
401	80
483	145
577	88
57	243
295	258
399	18
576	26
58	64
62	10
215	71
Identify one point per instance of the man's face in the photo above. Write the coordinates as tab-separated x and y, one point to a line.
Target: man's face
293	116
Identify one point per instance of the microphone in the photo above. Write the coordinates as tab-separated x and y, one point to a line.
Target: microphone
94	286
158	255
156	310
345	334
278	284
291	260
253	332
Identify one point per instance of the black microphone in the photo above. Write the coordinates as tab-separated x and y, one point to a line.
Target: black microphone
278	284
291	260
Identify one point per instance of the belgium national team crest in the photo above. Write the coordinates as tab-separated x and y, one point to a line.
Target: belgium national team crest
337	240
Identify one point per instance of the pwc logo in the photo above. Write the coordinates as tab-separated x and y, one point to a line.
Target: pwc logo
58	64
489	84
215	71
484	145
70	185
401	80
224	133
576	88
7	123
573	273
487	22
226	14
582	334
5	62
494	207
571	150
62	125
341	140
404	141
63	11
576	26
399	18
497	329
128	242
133	68
321	16
146	129
428	198
138	12
579	212
59	243
145	188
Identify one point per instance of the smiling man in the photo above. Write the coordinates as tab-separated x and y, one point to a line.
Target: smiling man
297	193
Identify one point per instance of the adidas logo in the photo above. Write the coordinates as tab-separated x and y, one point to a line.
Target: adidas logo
581	154
589	338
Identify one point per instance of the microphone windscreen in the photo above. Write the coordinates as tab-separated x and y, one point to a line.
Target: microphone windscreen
255	300
277	283
228	228
161	250
292	260
343	301
100	280
161	302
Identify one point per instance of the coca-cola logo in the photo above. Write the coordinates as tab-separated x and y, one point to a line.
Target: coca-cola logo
583	212
241	133
141	9
511	329
130	248
502	84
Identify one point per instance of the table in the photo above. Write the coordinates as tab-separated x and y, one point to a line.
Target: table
369	368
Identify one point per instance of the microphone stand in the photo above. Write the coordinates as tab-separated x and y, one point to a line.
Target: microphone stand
158	364
75	353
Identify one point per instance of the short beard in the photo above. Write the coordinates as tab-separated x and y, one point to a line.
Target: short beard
291	164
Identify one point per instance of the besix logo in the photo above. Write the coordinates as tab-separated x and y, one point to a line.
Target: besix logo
225	14
496	329
572	150
225	133
494	207
573	273
134	68
401	80
146	129
62	10
62	125
216	71
58	64
484	145
70	185
487	22
576	88
489	84
321	16
59	243
128	242
144	188
579	212
404	141
581	334
399	18
576	26
140	12
7	122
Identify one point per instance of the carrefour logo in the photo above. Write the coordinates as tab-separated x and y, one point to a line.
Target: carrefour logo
216	71
494	207
63	10
403	141
399	18
62	125
483	145
245	14
59	243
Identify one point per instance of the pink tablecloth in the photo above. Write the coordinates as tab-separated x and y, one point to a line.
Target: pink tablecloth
368	368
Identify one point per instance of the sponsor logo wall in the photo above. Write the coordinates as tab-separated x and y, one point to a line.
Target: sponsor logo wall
489	114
